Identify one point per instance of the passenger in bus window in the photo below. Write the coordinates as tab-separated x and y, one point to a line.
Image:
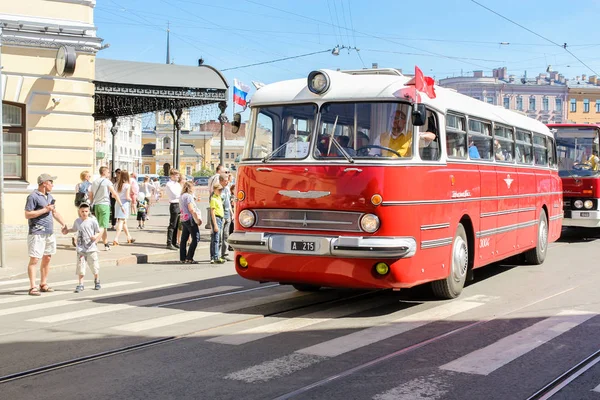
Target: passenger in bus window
344	141
498	153
399	139
594	160
473	151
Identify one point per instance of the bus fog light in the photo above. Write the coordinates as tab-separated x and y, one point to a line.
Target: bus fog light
242	262
578	203
381	268
588	204
246	218
369	223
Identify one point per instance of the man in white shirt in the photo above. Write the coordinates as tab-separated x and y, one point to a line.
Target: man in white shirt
173	190
214	179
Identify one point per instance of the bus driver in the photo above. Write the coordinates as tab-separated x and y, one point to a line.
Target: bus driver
399	140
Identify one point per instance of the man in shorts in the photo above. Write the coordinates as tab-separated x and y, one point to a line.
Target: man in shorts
40	213
101	201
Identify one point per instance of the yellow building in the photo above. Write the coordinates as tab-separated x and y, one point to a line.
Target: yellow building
48	59
584	100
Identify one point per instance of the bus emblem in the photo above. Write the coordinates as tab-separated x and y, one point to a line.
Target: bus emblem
508	181
459	195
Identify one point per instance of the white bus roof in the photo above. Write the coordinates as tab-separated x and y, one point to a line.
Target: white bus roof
380	85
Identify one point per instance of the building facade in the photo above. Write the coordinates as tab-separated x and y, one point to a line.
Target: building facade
584	100
543	98
48	53
128	144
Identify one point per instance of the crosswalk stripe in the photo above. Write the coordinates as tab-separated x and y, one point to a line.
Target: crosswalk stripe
287	325
209	312
134	304
365	337
14	282
306	357
429	387
26	297
488	359
62	303
51	284
596	389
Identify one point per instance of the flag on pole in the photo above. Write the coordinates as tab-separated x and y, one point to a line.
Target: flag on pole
422	83
240	91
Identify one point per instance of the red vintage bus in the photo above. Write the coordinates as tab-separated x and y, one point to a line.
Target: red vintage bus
345	181
578	167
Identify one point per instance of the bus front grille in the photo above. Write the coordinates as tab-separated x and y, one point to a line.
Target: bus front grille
313	220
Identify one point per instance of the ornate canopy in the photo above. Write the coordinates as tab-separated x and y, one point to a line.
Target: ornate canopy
128	87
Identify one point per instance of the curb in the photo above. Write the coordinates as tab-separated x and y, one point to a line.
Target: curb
130	259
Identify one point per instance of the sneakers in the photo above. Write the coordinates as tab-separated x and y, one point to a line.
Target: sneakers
106	246
171	247
220	261
79	289
97	285
226	258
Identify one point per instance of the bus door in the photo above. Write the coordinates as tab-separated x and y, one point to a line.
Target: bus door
507	184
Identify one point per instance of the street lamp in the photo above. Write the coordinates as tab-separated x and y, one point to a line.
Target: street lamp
222	120
113	131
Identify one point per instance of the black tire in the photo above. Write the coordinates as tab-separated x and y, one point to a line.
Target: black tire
303	287
537	255
452	286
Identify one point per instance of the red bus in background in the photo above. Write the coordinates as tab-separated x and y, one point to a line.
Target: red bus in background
346	182
578	168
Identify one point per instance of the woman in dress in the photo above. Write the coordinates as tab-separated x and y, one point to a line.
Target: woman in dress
123	189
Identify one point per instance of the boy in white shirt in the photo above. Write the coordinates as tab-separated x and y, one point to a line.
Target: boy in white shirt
88	234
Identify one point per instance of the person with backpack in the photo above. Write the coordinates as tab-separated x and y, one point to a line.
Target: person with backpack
101	189
82	193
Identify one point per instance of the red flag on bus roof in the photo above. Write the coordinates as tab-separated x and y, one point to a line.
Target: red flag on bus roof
423	83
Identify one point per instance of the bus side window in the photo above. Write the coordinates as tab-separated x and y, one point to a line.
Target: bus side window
524	148
456	136
432	150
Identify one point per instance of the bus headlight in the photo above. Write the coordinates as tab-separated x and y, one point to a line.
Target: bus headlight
588	204
318	82
369	223
246	218
578	204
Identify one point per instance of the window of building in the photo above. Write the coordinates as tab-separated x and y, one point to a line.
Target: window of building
13	135
545	104
146	169
573	107
507	102
532	104
489	100
226	155
598	106
558	105
520	103
586	105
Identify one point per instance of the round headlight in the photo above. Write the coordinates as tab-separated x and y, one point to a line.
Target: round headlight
369	223
318	82
578	203
588	204
246	218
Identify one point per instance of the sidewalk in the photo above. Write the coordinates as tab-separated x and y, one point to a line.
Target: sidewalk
149	246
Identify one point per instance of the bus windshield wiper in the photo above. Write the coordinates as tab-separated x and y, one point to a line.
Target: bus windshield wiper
339	147
271	154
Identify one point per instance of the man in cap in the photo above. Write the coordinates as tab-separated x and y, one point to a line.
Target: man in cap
41	242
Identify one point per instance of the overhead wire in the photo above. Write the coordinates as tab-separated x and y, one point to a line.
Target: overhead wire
277	60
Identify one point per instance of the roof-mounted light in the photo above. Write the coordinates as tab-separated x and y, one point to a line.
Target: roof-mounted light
318	82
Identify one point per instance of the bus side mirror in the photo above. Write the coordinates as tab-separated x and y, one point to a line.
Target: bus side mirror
419	115
236	123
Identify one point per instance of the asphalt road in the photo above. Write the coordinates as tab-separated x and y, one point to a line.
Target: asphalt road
172	331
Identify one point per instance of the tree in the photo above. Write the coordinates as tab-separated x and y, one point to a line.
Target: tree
203	172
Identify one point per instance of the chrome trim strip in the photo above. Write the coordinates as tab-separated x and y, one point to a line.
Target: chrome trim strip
555	217
352	169
504	229
430	244
306	221
434	226
311	194
463	200
264	169
518	210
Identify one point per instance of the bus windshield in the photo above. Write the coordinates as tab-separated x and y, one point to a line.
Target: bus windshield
575	147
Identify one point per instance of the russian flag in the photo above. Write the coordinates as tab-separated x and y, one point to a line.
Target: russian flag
240	91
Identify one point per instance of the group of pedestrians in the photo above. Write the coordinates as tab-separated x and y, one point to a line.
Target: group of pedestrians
95	212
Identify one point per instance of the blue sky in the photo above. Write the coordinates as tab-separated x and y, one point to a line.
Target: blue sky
444	38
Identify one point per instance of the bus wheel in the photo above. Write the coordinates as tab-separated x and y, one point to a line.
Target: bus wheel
537	255
303	287
451	287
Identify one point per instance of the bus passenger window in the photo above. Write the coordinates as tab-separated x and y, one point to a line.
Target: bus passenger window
523	151
430	150
456	136
480	140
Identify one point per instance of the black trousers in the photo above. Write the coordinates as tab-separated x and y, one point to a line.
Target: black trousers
113	220
189	228
173	223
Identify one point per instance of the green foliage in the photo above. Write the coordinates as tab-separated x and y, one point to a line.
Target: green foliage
203	172
160	172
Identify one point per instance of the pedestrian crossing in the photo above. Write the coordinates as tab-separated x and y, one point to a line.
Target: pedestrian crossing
359	326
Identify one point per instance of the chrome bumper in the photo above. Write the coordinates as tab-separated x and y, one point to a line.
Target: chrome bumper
329	246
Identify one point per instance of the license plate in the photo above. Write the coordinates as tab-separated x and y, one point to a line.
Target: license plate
584	214
303	246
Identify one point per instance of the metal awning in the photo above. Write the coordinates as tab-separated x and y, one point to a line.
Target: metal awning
129	87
